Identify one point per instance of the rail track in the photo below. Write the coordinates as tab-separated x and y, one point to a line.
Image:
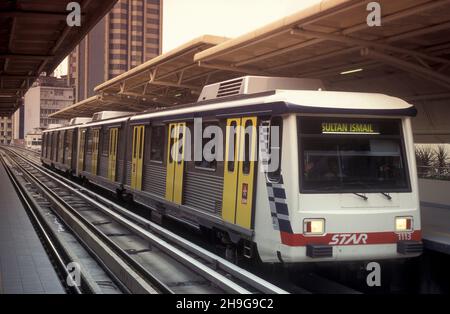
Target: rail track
141	256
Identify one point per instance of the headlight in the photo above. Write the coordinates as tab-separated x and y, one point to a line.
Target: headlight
403	223
314	226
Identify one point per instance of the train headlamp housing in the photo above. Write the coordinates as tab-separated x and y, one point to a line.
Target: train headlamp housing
314	226
403	224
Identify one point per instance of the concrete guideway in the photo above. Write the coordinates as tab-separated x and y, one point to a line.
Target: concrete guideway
175	265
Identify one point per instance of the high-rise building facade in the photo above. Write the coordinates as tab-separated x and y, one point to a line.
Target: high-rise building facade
46	96
126	37
6	130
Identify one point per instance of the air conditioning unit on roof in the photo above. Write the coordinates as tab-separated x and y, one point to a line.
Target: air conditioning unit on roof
257	84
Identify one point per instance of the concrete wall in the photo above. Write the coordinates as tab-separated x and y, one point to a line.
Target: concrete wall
434	191
32	105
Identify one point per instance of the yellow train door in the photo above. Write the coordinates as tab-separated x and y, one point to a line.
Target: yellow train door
81	150
138	157
175	162
95	138
239	171
112	158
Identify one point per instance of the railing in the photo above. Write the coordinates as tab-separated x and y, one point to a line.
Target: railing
432	172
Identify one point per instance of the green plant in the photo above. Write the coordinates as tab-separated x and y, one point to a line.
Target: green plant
441	159
424	159
424	156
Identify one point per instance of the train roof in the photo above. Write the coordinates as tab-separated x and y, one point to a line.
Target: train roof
285	101
275	102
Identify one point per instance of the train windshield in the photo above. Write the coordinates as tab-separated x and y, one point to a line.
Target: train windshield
352	155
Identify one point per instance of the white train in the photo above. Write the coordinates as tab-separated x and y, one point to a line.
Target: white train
345	187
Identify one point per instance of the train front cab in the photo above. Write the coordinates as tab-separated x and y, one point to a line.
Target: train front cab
367	208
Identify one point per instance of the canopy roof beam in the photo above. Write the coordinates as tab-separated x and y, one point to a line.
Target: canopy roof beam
365	43
422	71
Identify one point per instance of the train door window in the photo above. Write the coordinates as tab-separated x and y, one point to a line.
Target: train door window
141	144
204	163
138	154
246	153
172	141
112	156
232	138
81	149
61	146
68	147
55	146
157	143
105	142
89	142
135	130
50	145
95	148
44	145
180	145
274	149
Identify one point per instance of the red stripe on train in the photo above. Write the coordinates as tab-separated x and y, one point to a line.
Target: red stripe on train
297	239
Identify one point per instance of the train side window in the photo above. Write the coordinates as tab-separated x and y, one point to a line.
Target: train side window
276	125
205	163
232	149
247	146
157	143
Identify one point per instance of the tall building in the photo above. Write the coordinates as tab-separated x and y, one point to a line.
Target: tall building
129	35
46	96
6	130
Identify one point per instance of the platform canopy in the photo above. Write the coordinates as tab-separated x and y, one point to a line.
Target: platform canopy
97	103
407	56
169	77
35	38
332	37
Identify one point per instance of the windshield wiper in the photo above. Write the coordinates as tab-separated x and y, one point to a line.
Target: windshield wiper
362	196
387	195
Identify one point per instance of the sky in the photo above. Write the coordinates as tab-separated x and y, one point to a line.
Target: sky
184	20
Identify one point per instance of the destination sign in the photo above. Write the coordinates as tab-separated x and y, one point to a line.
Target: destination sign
349	128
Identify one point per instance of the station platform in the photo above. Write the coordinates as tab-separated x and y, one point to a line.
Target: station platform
436	226
24	265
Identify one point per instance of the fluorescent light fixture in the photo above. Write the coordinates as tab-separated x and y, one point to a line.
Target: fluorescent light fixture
351	71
